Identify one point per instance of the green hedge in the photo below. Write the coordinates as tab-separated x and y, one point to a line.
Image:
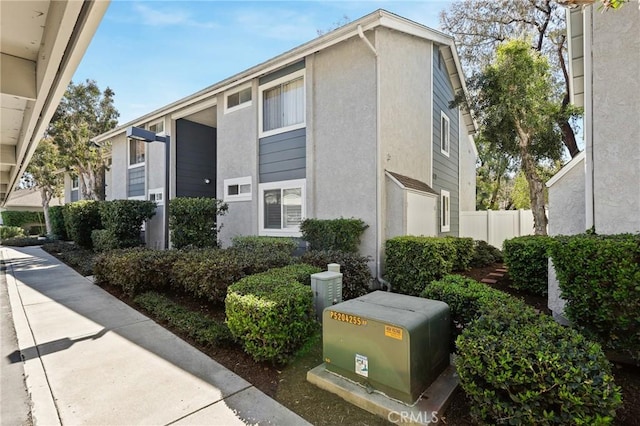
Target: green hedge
485	254
192	221
81	219
333	234
7	232
465	251
356	276
263	253
413	262
58	229
527	260
203	329
518	367
600	279
122	220
21	218
271	314
23	242
73	255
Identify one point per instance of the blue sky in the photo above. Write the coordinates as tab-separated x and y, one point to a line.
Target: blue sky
152	53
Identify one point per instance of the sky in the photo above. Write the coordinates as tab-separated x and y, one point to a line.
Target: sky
152	53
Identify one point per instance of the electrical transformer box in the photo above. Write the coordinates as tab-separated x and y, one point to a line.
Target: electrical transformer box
327	289
393	343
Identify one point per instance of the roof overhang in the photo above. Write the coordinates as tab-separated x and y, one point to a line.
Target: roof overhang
42	43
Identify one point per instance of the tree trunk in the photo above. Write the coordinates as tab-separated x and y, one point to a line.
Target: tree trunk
98	184
536	186
46	198
568	136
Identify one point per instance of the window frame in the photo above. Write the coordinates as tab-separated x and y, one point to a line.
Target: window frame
244	196
278	82
282	185
445	213
156	192
445	135
139	164
75	180
241	105
154	123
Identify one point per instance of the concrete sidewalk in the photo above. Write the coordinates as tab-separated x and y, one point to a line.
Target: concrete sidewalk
90	359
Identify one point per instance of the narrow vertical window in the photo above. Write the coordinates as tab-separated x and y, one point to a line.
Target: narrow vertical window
444	134
445	211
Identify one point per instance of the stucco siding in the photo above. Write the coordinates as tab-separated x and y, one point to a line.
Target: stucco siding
467	171
119	166
567	201
395	223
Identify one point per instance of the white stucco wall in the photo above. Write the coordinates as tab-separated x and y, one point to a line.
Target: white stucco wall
567	201
119	158
467	169
395	218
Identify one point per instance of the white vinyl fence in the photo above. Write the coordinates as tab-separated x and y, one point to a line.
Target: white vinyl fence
495	226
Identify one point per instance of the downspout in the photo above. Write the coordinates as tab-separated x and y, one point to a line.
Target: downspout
379	227
588	118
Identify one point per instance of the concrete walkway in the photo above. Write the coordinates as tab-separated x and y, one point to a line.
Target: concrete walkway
89	359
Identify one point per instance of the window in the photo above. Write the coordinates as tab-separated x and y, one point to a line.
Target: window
444	133
282	104
157	127
136	153
445	211
157	196
282	207
75	184
239	99
238	189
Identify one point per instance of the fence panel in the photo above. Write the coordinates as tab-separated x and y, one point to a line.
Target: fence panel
495	226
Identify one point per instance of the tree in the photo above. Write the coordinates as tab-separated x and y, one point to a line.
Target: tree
511	99
520	193
493	176
479	26
83	113
43	173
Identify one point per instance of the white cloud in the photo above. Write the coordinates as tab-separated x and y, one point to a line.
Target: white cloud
153	16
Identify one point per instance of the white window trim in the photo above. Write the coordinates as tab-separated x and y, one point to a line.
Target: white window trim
133	166
246	180
137	197
286	184
156	191
77	187
446	213
448	134
271	84
241	105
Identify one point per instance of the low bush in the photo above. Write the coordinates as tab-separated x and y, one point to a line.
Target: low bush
56	216
263	253
271	314
203	329
356	276
413	262
77	257
81	219
192	221
333	234
600	280
136	270
465	251
527	260
7	232
23	241
122	220
485	254
522	368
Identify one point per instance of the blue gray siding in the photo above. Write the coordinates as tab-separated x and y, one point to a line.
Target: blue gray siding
283	156
445	169
135	182
195	159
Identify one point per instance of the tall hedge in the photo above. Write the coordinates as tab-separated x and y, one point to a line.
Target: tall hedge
600	279
122	220
192	221
527	260
356	276
465	250
262	253
333	234
21	217
81	218
58	229
413	262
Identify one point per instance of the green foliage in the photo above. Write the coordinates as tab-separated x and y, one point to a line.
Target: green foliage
518	367
600	279
136	270
526	257
468	300
203	329
464	252
10	231
104	240
192	221
301	272
333	234
413	262
262	253
356	276
122	220
20	217
56	216
271	314
485	254
22	241
73	255
81	218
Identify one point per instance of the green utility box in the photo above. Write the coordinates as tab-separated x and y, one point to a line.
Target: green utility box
394	343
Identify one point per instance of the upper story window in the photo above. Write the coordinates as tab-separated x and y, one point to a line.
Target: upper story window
157	127
136	153
237	99
444	134
282	106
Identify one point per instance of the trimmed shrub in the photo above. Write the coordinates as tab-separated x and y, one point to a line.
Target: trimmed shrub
207	273
464	252
103	240
333	234
81	218
356	276
192	221
468	300
526	257
122	220
7	232
301	272
263	253
523	368
73	255
413	262
56	216
204	330
21	217
485	254
271	314
23	242
135	270
600	279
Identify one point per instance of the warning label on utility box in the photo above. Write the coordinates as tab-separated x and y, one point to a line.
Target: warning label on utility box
362	365
393	332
